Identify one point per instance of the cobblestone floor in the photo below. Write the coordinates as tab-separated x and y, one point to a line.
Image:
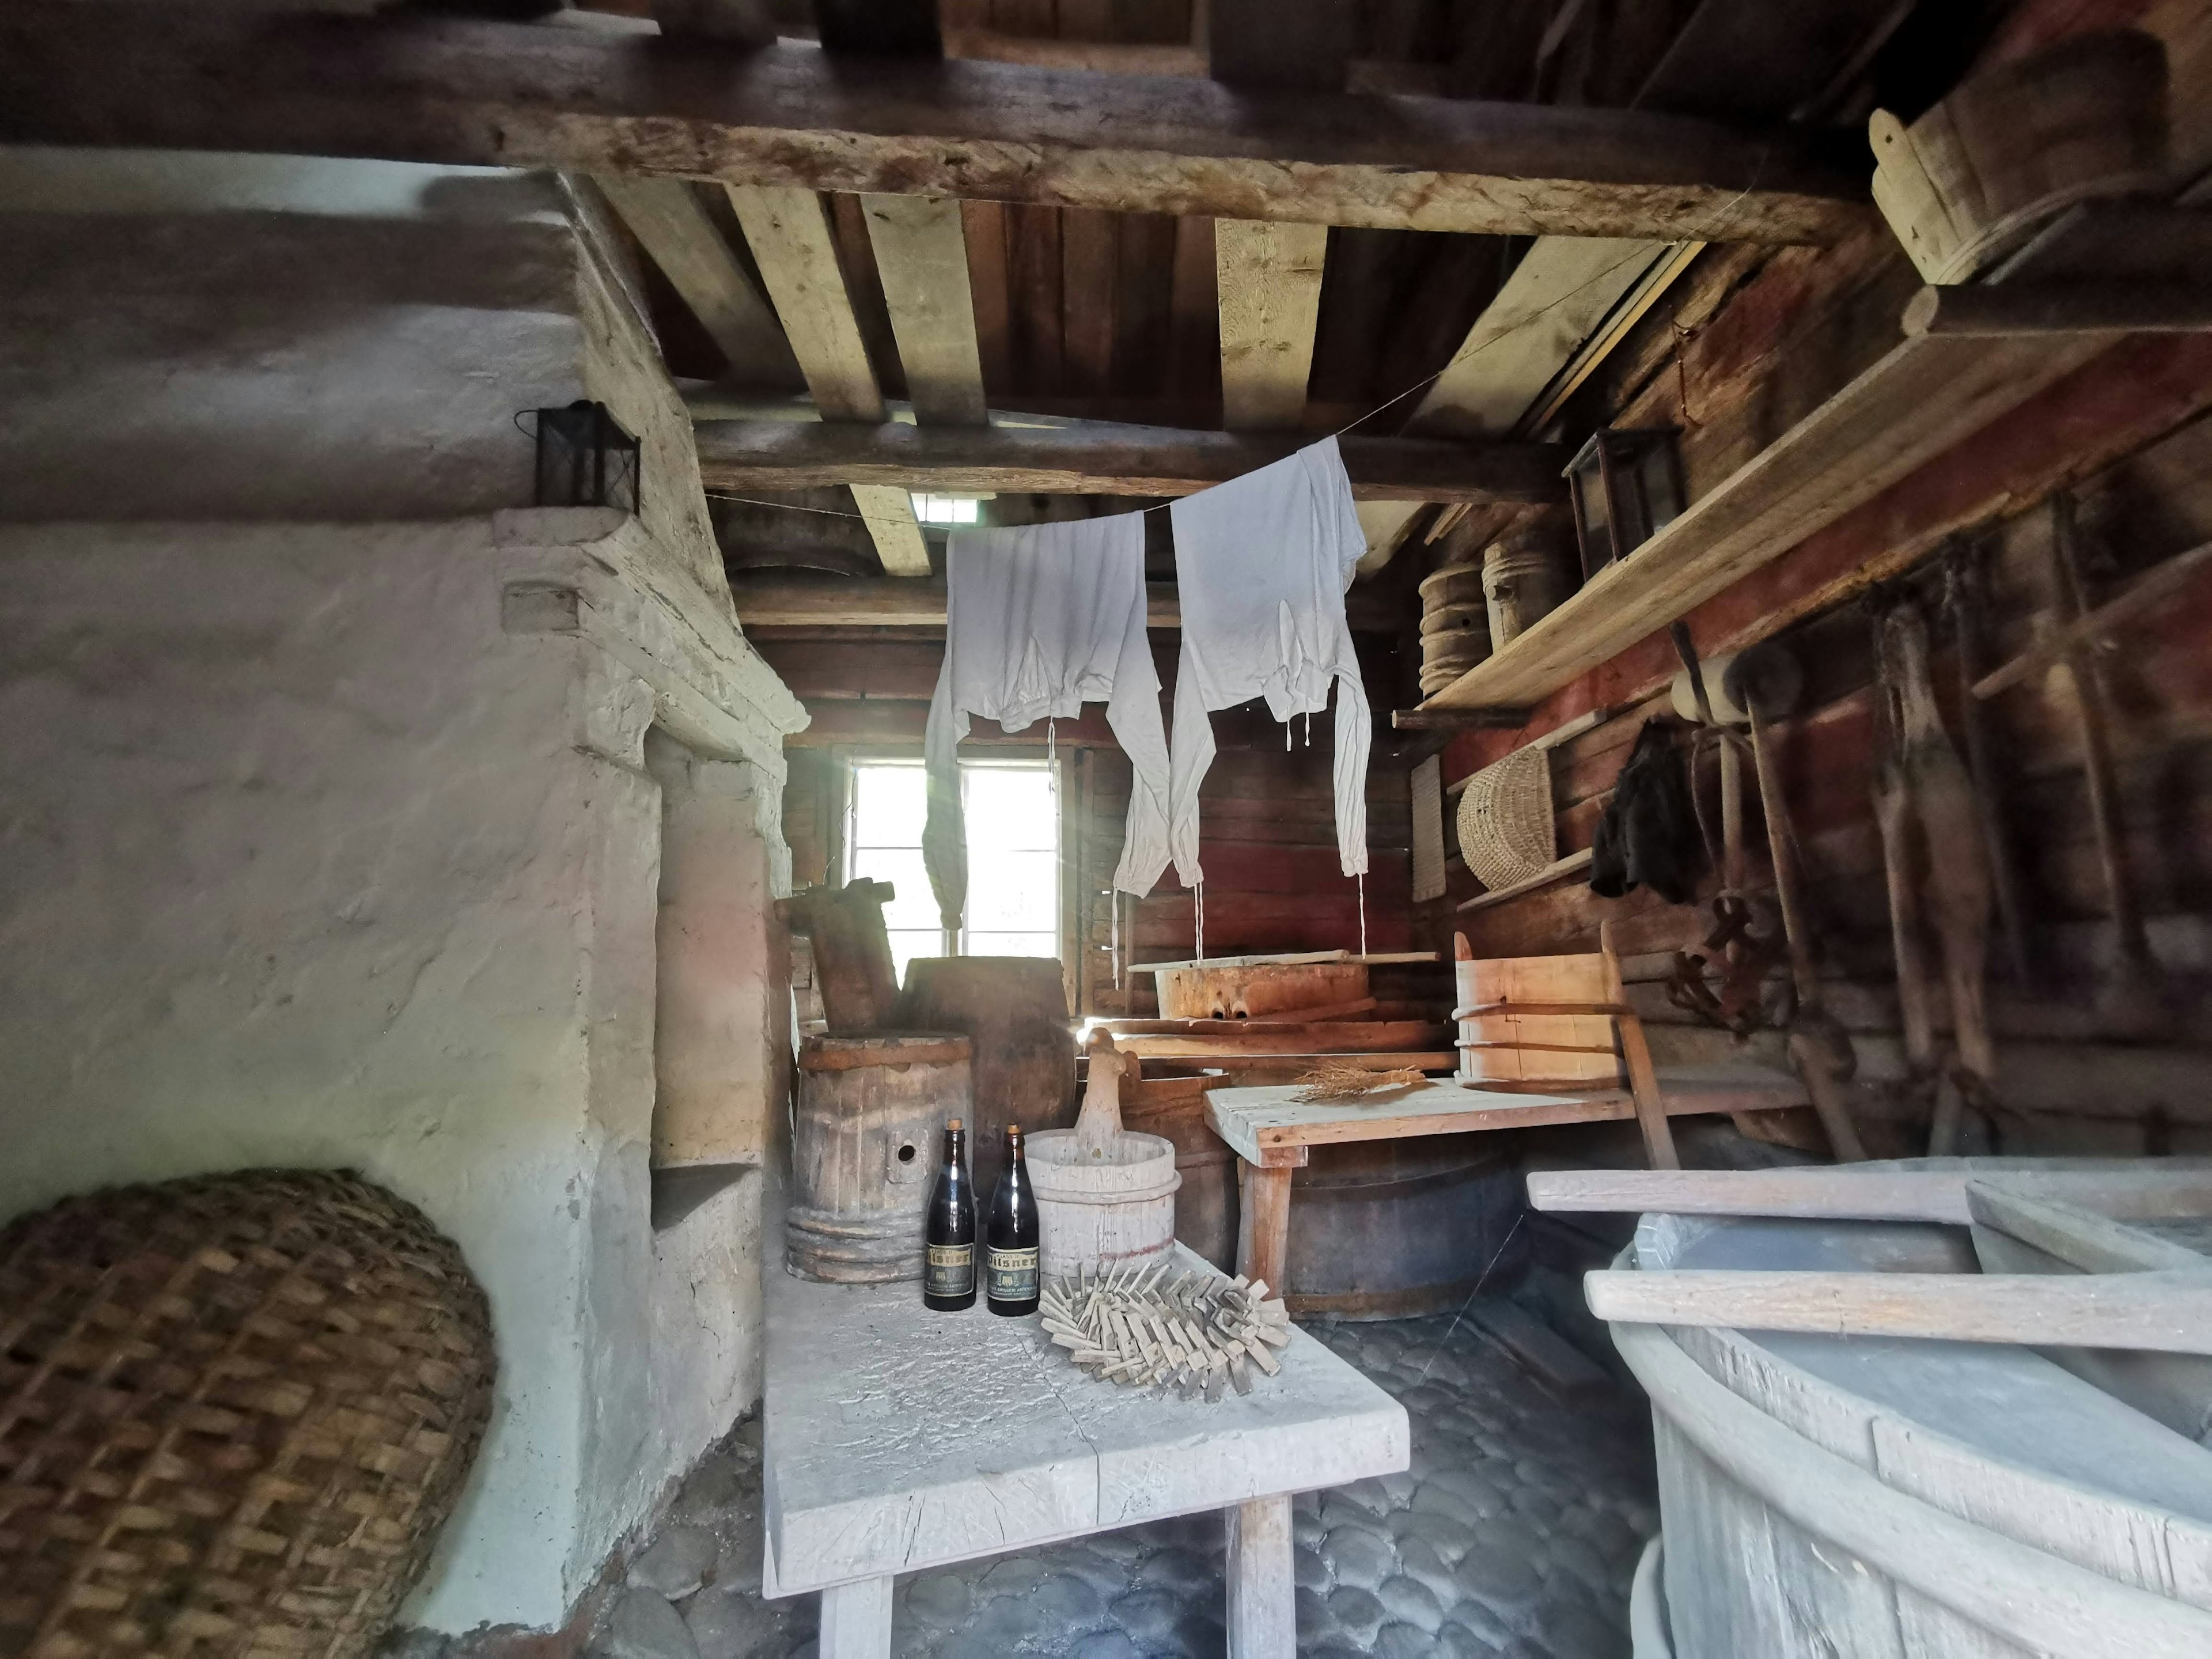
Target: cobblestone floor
1511	1536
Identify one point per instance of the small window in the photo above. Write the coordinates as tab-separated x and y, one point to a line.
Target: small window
1013	811
947	509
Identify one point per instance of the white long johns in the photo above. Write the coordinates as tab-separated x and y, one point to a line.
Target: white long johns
1040	620
1261	566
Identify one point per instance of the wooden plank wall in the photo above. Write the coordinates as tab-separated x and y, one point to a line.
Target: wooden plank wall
1756	348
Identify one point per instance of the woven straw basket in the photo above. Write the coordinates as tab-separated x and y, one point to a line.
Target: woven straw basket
234	1414
1506	832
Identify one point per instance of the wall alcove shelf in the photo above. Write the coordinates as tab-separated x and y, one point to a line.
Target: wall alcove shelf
1935	389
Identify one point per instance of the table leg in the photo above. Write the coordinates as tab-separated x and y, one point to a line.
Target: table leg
856	1619
1262	1604
1263	1225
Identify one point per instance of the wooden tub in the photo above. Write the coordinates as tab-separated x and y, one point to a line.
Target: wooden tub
1825	1497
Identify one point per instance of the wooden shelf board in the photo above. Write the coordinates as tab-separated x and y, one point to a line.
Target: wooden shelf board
1926	395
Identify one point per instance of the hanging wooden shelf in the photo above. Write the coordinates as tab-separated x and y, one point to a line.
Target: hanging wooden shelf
1926	395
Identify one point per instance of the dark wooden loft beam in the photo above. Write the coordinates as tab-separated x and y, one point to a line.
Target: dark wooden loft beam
1100	458
766	601
431	88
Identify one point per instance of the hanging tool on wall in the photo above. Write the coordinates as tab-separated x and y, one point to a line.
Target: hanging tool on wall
1960	887
1765	682
1724	983
1965	597
2138	989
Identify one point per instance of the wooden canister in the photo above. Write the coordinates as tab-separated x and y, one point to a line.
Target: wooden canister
1174	1109
872	1116
1014	1010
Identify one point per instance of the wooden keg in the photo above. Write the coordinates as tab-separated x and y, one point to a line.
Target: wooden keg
872	1116
1014	1011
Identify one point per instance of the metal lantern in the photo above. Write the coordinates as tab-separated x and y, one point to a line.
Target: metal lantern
585	459
1626	483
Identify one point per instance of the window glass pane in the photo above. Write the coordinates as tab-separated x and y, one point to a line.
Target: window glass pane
1009	809
889	805
914	906
907	945
1014	945
1015	891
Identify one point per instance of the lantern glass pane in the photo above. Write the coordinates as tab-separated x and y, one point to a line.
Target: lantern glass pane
1655	473
1594	514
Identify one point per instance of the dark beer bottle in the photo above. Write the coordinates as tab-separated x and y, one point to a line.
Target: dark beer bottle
948	1274
1010	1237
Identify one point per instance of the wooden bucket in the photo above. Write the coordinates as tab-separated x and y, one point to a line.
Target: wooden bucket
1973	177
1499	1045
1014	1011
1103	1212
872	1116
1294	990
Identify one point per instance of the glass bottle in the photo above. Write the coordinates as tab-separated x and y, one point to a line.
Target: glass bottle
948	1274
1010	1236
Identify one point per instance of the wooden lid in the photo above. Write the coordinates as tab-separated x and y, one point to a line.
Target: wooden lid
843	1053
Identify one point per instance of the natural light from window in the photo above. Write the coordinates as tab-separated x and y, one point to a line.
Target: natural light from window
947	509
1012	810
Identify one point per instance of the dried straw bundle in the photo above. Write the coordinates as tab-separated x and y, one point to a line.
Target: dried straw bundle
1130	1327
1334	1080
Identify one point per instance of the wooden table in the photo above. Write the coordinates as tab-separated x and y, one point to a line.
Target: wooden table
896	1439
1271	1131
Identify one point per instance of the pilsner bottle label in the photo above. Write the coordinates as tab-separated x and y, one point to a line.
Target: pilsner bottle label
1013	1276
951	1270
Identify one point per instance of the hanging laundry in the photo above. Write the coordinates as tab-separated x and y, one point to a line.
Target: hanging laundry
1261	564
1040	620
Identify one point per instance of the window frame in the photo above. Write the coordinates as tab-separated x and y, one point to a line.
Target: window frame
1022	757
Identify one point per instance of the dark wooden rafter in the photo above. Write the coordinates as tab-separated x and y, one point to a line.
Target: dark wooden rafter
1100	458
465	91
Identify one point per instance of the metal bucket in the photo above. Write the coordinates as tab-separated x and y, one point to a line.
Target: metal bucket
1389	1229
872	1116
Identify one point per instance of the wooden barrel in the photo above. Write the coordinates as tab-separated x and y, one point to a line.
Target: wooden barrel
1390	1229
872	1116
1014	1011
1174	1109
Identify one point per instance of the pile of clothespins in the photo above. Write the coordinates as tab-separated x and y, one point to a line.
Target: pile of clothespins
1193	1335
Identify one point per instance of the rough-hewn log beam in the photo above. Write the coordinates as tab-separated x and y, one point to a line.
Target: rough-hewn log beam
1101	458
455	90
807	601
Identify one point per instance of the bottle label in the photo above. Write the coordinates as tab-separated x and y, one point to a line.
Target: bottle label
1013	1276
951	1270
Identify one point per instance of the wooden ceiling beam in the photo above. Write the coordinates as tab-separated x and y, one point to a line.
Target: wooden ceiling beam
921	255
672	226
810	601
1269	279
435	89
1101	458
789	231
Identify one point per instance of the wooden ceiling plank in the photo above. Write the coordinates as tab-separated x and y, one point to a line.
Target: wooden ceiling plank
673	225
921	257
1104	458
1558	294
1301	45
1269	277
474	91
889	512
983	227
1194	312
789	233
1562	309
1090	266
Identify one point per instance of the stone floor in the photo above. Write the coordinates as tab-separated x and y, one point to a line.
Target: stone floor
1513	1534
